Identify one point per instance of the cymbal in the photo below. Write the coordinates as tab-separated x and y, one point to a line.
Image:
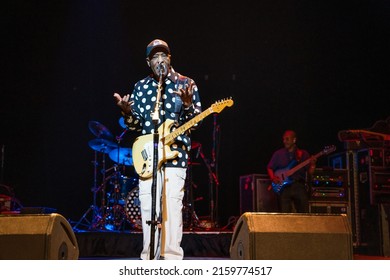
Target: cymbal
122	156
99	130
195	145
102	145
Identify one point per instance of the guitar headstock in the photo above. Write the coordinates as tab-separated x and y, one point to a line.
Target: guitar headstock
329	149
218	106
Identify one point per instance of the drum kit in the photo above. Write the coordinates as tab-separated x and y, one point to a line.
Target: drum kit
118	194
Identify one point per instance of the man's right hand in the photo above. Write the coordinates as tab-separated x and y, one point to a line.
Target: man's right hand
123	102
276	180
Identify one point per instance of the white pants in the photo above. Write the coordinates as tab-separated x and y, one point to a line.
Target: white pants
169	204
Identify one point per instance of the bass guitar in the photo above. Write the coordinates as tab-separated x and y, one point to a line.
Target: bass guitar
143	145
285	173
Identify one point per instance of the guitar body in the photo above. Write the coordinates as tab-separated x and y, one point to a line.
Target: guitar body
284	175
143	151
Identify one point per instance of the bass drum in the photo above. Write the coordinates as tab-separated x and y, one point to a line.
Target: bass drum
133	210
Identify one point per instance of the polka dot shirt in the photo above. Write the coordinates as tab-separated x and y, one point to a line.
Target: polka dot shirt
144	97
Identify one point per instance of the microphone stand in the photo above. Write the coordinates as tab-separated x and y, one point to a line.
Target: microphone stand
215	155
155	117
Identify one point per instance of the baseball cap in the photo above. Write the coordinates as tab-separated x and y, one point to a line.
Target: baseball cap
155	46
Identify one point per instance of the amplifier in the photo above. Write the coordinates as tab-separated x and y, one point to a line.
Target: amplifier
329	183
256	194
381	181
374	157
339	193
380	185
329	207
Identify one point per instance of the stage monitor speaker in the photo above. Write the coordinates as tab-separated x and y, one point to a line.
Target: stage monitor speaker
37	237
282	236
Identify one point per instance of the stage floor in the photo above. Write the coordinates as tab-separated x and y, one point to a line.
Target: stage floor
128	244
211	244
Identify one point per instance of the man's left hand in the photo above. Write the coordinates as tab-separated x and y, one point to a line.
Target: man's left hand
186	94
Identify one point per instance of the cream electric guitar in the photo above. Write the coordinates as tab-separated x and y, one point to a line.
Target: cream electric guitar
143	145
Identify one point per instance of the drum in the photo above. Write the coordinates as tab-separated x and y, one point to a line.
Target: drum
133	210
127	184
119	191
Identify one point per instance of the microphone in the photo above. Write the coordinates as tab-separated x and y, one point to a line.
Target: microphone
161	67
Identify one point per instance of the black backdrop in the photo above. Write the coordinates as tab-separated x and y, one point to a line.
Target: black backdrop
317	67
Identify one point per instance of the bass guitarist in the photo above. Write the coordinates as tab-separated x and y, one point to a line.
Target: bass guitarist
291	190
173	98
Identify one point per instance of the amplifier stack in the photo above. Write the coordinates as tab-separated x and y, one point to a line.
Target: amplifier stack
329	191
329	184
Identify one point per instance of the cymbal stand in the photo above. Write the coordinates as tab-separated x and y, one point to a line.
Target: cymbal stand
190	218
212	179
101	223
115	215
95	210
119	140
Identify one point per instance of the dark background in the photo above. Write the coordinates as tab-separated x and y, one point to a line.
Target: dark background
317	67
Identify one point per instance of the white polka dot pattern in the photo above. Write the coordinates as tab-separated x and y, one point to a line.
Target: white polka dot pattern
144	97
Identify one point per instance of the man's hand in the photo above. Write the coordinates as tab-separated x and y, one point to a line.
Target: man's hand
124	103
186	94
276	180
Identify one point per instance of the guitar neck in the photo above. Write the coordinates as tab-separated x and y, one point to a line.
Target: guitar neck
303	164
180	130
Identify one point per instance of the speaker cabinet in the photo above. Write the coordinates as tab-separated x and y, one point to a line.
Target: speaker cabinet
37	237
282	236
256	194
